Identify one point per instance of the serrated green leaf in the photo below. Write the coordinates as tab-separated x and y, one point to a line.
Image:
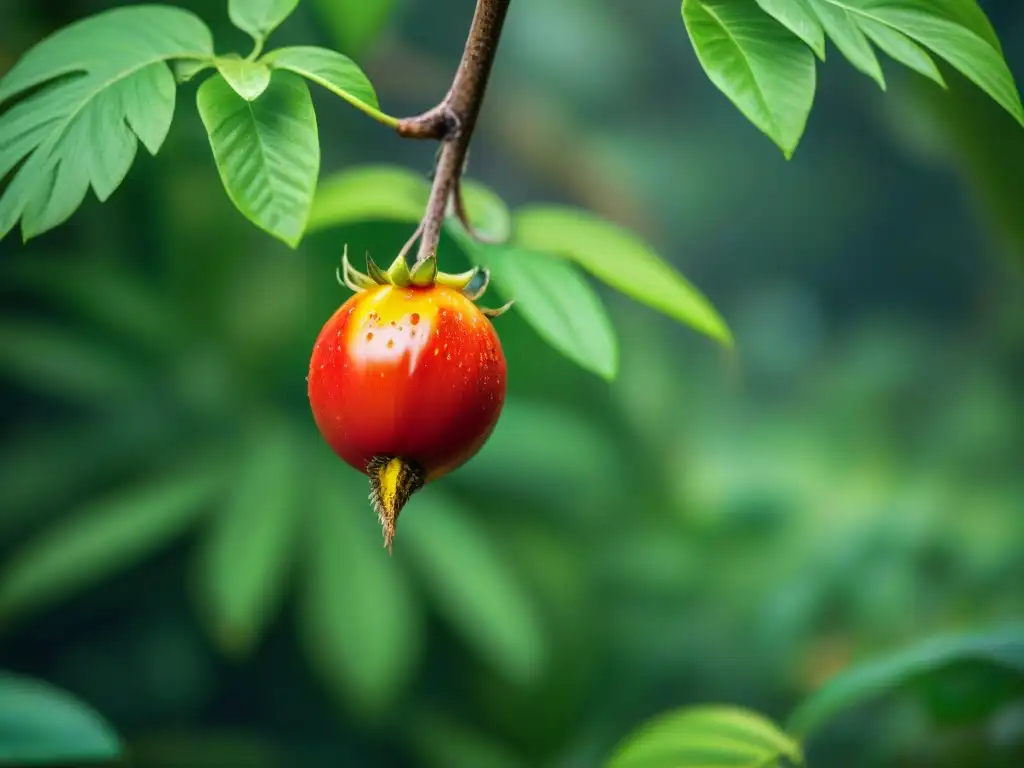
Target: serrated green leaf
369	193
860	683
553	297
975	57
842	28
901	48
471	585
41	724
355	24
487	212
620	259
798	18
249	79
335	72
267	151
706	737
106	536
248	545
766	71
360	623
59	361
260	17
105	82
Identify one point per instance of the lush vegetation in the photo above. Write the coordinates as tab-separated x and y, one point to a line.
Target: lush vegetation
833	543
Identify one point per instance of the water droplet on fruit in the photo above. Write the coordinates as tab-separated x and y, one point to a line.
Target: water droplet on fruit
393	323
437	352
369	337
391	343
415	318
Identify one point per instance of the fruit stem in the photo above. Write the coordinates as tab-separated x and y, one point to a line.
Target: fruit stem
453	120
392	481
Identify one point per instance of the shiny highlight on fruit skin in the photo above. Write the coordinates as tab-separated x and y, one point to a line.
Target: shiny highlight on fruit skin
406	381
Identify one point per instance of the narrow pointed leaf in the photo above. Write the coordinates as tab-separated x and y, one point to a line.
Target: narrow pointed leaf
842	28
860	683
620	259
32	457
798	17
471	585
58	361
248	545
974	56
901	48
267	151
369	193
260	17
487	212
765	70
249	79
360	624
706	737
105	84
43	725
105	536
113	299
554	298
334	71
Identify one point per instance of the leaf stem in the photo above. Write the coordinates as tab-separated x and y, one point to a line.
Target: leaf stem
452	121
257	48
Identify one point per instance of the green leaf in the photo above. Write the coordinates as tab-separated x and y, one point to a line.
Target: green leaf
106	536
620	259
41	724
260	17
335	72
472	586
105	85
267	151
860	683
360	623
369	193
798	18
249	79
765	70
31	458
60	362
248	545
567	457
964	49
902	49
487	212
443	743
392	193
706	737
355	24
554	298
111	298
841	26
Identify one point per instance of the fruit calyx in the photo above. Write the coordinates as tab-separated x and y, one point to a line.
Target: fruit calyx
471	284
392	481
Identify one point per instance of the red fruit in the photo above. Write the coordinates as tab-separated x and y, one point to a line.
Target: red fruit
406	383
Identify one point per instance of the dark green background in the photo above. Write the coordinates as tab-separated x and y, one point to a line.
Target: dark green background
703	530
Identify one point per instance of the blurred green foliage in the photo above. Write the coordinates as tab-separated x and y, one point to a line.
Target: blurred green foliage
180	550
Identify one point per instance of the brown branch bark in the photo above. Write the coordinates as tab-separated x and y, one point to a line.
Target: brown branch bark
453	120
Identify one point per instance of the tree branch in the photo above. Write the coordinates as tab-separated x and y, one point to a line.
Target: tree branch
453	120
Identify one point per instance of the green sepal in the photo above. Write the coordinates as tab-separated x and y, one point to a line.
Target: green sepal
425	273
